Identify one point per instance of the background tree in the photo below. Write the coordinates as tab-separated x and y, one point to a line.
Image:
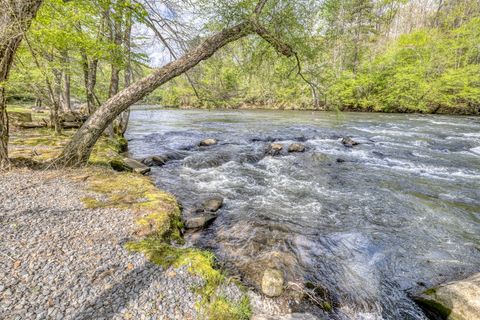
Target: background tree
15	19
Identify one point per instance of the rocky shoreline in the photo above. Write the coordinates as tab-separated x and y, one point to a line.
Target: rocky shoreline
73	246
97	254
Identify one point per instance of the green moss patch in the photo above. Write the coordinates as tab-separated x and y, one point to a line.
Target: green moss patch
202	264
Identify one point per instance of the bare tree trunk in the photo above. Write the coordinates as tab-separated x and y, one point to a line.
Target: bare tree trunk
66	98
116	38
124	117
56	95
90	80
15	19
67	102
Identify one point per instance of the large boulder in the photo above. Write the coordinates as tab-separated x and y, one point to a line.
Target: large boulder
274	149
349	142
272	283
457	300
204	214
208	142
296	147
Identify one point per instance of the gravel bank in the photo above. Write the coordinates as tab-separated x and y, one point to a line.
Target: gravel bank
61	261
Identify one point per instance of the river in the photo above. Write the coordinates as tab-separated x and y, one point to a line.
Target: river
371	224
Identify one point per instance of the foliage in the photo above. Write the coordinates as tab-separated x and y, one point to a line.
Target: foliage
353	54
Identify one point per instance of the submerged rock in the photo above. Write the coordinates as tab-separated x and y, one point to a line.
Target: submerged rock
459	300
272	283
213	204
199	220
296	147
208	142
274	149
204	214
349	142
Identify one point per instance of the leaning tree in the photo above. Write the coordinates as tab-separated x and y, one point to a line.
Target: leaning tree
78	150
15	19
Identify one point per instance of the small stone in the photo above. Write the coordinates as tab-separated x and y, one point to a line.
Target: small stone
272	283
208	142
155	161
296	147
17	264
274	149
349	142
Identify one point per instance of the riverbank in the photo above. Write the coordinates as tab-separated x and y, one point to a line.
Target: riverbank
93	242
470	111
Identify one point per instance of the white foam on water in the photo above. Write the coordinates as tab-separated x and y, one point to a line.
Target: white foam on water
426	170
476	150
456	124
388	132
472	134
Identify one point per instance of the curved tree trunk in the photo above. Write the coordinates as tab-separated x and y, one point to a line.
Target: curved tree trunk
15	19
78	150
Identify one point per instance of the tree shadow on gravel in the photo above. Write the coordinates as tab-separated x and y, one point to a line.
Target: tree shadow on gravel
116	298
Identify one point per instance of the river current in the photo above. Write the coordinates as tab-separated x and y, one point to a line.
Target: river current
372	224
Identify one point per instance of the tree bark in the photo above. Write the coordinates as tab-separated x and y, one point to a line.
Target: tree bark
78	150
122	120
15	19
90	79
56	95
66	97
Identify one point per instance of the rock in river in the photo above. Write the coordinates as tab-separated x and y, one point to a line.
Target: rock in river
127	164
274	149
155	161
459	300
296	147
208	142
272	283
204	214
349	142
213	204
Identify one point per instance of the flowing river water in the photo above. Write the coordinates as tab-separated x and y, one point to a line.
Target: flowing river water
399	214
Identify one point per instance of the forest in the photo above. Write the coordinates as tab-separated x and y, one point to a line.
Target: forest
361	55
